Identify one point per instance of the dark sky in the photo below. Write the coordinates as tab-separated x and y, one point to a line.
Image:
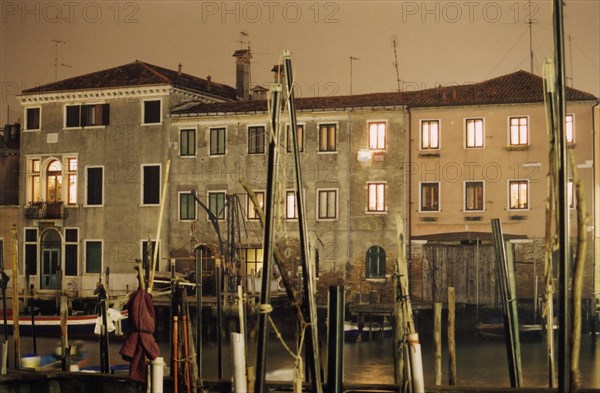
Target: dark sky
438	42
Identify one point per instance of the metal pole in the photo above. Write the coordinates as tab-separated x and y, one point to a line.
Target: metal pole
219	278
15	300
309	304
32	311
199	312
268	246
335	340
564	356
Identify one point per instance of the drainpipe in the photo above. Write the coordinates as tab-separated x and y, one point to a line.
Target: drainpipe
349	163
596	199
408	179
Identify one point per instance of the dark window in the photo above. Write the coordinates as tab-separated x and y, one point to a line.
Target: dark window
94	186
216	204
187	142
31	235
33	118
87	115
152	112
327	137
31	258
289	140
147	262
217	141
375	263
430	197
256	140
187	207
71	251
93	257
151	185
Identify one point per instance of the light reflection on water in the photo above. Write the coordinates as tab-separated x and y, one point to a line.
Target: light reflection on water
479	363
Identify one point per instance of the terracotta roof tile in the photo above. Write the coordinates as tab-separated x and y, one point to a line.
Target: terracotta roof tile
137	73
517	87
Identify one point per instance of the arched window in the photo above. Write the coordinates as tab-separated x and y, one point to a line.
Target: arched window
375	263
54	181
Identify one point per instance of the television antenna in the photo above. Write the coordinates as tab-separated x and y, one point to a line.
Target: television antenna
395	63
56	42
351	60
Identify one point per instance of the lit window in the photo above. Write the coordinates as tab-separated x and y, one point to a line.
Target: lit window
377	135
569	129
376	198
187	142
518	194
93	256
94	186
300	132
430	134
430	197
187	206
256	140
519	131
250	207
253	258
71	164
327	204
375	262
33	180
54	181
217	141
150	184
152	113
474	132
32	119
291	211
327	137
474	196
216	204
571	194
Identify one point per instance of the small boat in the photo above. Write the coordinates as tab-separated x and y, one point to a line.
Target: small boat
352	330
495	331
79	356
79	326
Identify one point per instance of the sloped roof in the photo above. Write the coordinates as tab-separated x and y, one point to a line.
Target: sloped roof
517	87
137	73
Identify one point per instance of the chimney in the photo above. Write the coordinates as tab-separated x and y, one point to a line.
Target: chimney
208	79
242	73
277	71
179	67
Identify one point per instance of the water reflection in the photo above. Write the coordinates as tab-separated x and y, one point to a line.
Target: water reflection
479	363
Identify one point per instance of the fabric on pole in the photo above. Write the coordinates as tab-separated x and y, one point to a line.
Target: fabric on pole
140	344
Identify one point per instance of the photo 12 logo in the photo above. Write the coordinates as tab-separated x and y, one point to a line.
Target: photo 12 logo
70	11
469	11
269	11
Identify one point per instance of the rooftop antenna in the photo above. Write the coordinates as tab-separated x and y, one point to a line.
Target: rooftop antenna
242	41
56	42
570	79
395	63
351	59
530	23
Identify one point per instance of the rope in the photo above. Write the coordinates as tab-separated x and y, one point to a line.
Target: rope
265	309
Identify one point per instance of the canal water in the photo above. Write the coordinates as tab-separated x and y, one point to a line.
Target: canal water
479	363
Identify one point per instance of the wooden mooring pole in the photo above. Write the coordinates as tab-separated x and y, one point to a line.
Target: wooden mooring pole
15	300
451	337
437	339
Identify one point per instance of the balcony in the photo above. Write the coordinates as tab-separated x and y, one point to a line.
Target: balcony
46	210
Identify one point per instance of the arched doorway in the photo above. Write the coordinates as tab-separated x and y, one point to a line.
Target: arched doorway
51	259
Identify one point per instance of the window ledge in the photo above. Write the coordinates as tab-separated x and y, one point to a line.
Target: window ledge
517	148
571	145
473	218
377	212
428	219
376	280
518	217
151	124
425	155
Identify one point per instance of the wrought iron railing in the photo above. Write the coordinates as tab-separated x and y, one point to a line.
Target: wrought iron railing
46	210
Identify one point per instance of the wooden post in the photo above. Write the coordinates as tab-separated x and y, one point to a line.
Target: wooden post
451	337
64	337
437	339
15	300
